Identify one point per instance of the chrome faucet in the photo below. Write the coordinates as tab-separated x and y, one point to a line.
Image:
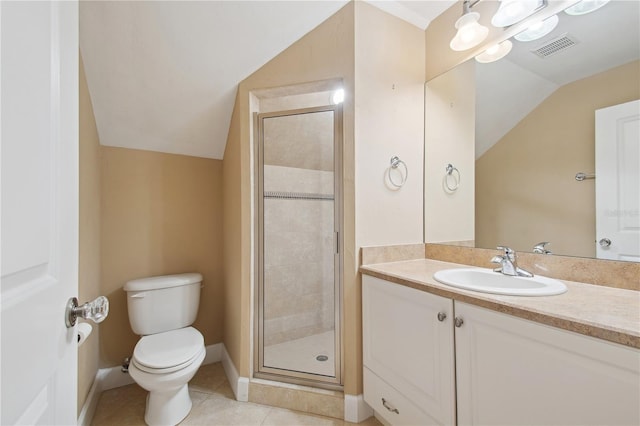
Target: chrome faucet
540	248
508	264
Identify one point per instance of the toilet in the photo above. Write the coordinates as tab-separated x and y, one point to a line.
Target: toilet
170	351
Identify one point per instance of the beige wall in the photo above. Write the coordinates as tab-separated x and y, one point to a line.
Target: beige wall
324	53
525	187
390	53
161	214
389	120
89	233
450	139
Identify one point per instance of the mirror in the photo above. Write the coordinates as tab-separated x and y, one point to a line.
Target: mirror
519	130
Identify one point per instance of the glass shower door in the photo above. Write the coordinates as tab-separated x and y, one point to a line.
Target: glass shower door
299	263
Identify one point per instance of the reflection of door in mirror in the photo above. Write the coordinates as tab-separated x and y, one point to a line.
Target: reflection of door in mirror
618	182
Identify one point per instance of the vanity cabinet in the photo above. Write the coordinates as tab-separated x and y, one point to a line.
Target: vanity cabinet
495	368
514	371
408	354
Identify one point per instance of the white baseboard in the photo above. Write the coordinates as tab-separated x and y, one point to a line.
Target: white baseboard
239	385
90	404
113	377
214	354
355	409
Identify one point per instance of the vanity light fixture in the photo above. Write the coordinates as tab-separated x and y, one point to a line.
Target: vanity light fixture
513	11
495	52
585	6
538	30
470	32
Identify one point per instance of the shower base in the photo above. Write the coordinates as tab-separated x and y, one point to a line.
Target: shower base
302	354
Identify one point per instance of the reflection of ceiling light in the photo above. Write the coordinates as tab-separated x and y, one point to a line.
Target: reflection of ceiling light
585	6
495	52
337	97
538	30
513	11
470	32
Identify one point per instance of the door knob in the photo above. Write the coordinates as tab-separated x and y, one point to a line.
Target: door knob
458	322
96	311
605	242
442	316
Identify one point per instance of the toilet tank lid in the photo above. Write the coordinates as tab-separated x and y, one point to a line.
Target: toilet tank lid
163	281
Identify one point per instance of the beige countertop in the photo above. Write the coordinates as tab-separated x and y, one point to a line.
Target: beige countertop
607	313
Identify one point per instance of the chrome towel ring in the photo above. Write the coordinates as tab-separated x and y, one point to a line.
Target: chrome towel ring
451	182
395	162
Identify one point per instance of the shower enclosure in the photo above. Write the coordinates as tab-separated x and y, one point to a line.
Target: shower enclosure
298	304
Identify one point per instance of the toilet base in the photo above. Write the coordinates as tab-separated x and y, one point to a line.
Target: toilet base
167	407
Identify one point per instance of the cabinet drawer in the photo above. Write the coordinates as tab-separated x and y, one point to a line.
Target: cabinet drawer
377	390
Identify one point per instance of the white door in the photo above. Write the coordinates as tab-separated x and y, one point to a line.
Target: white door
39	224
618	182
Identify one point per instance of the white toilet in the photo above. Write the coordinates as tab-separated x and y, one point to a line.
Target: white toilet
161	310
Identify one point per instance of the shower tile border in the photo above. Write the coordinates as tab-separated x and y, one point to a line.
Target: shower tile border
295	397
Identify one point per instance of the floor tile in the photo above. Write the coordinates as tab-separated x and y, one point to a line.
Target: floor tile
213	405
283	417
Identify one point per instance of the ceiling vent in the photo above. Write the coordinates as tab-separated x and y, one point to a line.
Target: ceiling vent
556	45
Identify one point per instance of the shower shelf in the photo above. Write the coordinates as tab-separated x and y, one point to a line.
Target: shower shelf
296	195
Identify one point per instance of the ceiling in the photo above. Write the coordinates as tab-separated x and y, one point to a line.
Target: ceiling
508	89
163	74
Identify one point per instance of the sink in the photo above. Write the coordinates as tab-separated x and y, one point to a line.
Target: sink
488	281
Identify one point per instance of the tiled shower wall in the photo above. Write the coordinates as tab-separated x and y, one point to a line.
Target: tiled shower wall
298	255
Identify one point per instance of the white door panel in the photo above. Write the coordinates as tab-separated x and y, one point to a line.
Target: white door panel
618	181
39	204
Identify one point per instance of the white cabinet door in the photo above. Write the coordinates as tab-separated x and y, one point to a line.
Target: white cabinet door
39	128
511	371
407	346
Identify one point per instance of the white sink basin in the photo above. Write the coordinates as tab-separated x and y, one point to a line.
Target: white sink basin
487	281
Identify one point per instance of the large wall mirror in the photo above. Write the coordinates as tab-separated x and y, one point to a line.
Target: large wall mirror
517	132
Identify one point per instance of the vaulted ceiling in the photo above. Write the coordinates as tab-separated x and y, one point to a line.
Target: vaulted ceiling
163	75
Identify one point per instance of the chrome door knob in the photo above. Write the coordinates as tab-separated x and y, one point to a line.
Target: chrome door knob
458	322
442	316
96	311
605	242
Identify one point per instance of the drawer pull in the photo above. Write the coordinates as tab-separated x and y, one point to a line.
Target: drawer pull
442	316
389	407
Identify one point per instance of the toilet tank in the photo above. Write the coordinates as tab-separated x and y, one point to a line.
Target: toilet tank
163	303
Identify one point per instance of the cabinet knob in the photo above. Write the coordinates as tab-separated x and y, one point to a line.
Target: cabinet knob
389	407
442	316
458	322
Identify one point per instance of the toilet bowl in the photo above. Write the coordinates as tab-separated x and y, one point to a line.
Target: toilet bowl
163	364
170	351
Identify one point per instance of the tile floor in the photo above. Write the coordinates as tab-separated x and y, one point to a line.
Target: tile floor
213	405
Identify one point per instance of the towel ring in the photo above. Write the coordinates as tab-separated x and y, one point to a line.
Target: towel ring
395	162
450	176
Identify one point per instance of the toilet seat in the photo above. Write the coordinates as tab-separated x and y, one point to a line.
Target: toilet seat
168	351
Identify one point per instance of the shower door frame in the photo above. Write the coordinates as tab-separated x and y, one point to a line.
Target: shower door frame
279	374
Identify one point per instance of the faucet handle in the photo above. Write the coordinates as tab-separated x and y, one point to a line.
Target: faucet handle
508	252
540	248
497	259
